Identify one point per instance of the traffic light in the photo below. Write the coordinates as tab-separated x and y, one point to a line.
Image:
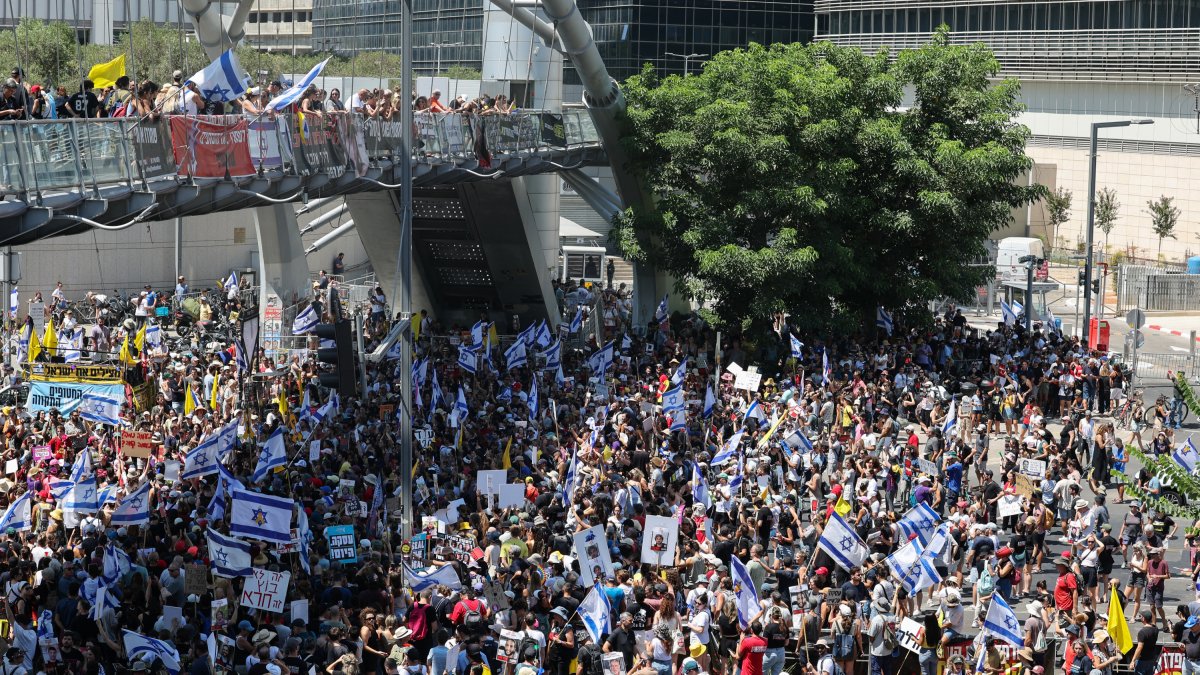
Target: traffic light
1095	286
340	356
1082	276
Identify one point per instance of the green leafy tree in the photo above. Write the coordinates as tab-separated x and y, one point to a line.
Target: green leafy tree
459	72
1058	209
47	51
802	179
1107	209
1164	216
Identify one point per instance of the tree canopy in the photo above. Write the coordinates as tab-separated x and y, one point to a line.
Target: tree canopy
822	181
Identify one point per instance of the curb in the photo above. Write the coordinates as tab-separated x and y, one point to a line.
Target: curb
1170	332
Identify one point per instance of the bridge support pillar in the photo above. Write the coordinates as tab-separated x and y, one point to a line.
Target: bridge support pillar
377	220
537	201
284	267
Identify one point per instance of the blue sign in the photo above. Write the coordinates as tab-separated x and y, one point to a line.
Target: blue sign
66	396
343	547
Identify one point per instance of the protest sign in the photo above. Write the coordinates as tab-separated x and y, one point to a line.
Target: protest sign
265	590
299	610
137	444
512	495
489	482
1025	486
1009	505
343	547
211	149
195	579
909	635
659	539
1032	467
927	467
42	453
595	560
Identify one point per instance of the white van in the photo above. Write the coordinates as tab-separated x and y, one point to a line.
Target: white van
1009	253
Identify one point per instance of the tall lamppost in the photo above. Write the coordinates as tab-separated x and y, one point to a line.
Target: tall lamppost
437	69
1091	220
687	58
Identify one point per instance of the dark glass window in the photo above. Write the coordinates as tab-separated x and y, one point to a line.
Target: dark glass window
985	18
923	20
889	21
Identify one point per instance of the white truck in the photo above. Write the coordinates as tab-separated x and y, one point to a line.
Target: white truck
1009	253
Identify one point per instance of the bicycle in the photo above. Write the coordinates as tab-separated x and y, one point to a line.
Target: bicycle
1124	416
1151	414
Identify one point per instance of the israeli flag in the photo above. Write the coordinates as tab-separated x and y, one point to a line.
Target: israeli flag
842	543
914	570
710	400
101	409
526	336
826	370
1009	314
107	494
799	441
576	321
293	94
431	579
754	411
680	373
541	336
601	359
272	455
661	311
553	356
883	320
138	646
239	355
14	302
261	516
223	79
216	505
797	346
568	488
477	332
82	468
1001	622
672	400
937	542
72	345
82	497
700	494
626	343
134	509
231	283
533	400
596	614
116	564
735	481
231	482
744	590
467	359
230	556
920	520
951	418
460	406
153	336
304	534
102	602
437	398
514	356
17	515
729	450
1186	456
326	411
305	321
202	459
227	437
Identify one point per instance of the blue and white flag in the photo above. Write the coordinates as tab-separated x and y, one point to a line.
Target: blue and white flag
744	590
626	342
541	336
230	556
216	505
883	319
14	302
134	509
305	321
431	579
420	370
710	400
460	407
661	312
467	359
17	515
227	437
553	356
937	541
797	346
1009	314
729	450
101	602
568	486
293	94
672	400
154	336
116	564
914	570
601	359
576	321
826	370
533	399
223	80
799	441
305	537
1001	622
82	468
239	357
81	498
436	397
97	407
737	478
202	459
1186	456
842	543
951	421
920	520
514	356
596	614
755	411
273	454
680	373
107	494
231	282
140	647
259	516
71	345
526	335
700	493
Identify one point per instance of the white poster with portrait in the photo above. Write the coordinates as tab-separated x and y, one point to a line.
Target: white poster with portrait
595	562
659	539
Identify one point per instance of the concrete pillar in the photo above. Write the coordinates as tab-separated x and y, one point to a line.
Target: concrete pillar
377	220
284	268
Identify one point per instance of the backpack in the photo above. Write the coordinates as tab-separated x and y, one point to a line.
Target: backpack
837	670
889	636
473	618
843	646
987	583
590	660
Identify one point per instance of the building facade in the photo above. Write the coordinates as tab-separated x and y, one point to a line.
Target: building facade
1078	63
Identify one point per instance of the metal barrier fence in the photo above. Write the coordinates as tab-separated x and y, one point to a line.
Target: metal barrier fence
1152	368
78	155
1156	287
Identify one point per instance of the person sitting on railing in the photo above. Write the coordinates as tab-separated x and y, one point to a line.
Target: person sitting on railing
10	105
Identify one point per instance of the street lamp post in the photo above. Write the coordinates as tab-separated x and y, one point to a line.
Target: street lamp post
437	68
687	59
1091	220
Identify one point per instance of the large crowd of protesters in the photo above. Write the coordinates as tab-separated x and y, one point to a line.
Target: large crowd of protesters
655	486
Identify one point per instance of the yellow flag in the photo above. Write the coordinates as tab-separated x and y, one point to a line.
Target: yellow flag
189	402
506	458
771	432
106	74
35	345
283	403
492	338
415	324
212	398
1118	627
139	340
50	337
842	507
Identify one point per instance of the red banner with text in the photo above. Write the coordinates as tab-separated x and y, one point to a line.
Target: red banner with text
211	148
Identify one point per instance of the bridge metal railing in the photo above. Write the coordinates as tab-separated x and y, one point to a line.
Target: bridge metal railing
83	155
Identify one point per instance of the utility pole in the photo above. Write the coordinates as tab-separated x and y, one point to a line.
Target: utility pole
404	262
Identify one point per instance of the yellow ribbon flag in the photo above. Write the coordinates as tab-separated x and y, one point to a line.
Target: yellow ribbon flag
106	74
843	507
126	355
139	340
189	402
492	338
771	432
282	402
506	458
50	337
212	398
1118	627
35	345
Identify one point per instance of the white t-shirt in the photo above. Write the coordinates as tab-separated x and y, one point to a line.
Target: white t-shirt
700	625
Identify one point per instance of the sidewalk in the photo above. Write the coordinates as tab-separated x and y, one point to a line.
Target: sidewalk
1182	326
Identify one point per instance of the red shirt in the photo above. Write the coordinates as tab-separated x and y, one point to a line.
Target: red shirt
750	654
1063	590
